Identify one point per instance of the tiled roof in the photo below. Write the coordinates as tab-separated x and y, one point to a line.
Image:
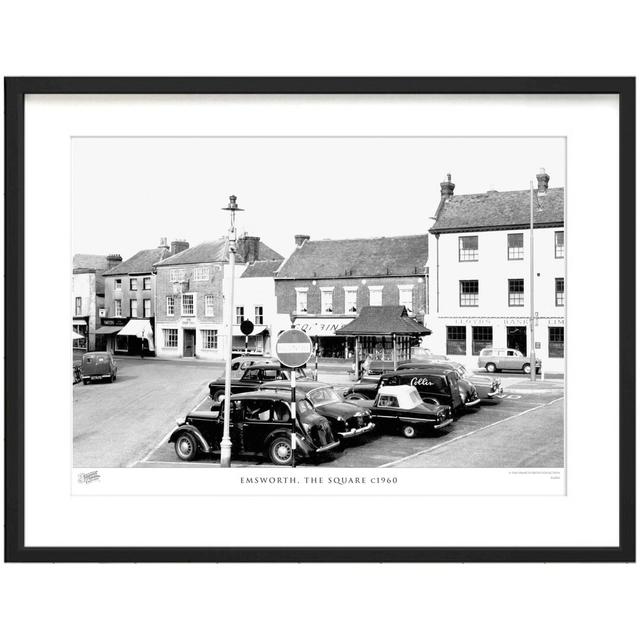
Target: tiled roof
89	261
397	255
383	321
216	251
499	210
261	269
141	262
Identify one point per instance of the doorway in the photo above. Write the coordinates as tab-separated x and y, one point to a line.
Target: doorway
189	343
517	339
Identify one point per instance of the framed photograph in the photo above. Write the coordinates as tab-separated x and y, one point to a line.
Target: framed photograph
320	319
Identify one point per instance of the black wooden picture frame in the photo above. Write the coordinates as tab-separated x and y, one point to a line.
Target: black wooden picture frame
15	91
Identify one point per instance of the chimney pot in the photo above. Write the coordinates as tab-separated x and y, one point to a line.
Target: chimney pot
446	188
249	248
301	239
113	259
543	182
177	246
163	244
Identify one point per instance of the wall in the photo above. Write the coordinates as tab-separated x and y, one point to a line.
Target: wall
126	295
84	286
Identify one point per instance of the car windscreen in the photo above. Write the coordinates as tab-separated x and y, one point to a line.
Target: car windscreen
323	395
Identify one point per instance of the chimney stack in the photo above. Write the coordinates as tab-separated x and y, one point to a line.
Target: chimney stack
446	188
543	182
178	245
249	248
163	244
300	240
113	259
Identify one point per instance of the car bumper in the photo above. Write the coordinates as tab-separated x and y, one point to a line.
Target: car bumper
446	423
97	376
327	447
352	433
473	403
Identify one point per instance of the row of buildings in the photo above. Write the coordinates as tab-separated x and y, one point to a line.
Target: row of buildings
466	279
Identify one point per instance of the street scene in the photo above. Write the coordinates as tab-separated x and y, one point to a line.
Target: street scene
438	342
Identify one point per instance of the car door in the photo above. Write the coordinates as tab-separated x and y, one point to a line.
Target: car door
250	380
385	410
511	361
501	359
256	424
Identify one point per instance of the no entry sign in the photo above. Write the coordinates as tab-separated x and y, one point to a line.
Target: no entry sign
293	348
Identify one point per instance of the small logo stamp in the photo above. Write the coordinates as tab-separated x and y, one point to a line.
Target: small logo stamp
90	476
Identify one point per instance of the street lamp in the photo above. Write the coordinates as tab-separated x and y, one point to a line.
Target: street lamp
532	351
225	443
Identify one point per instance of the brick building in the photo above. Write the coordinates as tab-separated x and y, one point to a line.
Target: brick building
480	279
324	284
191	287
130	300
87	296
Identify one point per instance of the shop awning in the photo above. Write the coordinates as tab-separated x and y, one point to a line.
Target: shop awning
79	323
76	336
137	328
257	330
320	326
384	321
107	330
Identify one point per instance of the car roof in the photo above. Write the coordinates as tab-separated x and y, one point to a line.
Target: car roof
417	371
303	385
399	390
449	366
97	353
270	394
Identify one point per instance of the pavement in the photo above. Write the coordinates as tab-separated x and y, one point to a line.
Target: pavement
127	423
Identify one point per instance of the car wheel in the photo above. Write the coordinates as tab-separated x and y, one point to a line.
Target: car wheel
526	368
280	451
355	396
218	395
186	447
490	367
408	431
111	378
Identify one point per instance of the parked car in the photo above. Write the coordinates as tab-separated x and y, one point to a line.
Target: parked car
422	354
252	377
487	388
240	363
260	424
441	388
97	366
377	367
347	420
493	359
401	409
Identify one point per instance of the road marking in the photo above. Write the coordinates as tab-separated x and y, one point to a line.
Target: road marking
465	435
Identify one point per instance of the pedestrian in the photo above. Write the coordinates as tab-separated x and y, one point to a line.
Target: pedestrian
142	348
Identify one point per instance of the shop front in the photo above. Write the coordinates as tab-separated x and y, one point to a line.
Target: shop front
81	333
322	330
258	341
130	336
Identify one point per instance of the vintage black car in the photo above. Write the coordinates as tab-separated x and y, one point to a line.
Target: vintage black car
252	378
401	409
347	419
260	424
487	388
441	387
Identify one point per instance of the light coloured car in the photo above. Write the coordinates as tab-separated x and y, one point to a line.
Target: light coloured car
500	359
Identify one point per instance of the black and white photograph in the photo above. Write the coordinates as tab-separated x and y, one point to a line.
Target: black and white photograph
318	302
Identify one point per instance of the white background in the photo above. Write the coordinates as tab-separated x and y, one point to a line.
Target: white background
330	39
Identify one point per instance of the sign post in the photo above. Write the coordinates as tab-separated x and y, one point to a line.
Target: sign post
246	326
293	349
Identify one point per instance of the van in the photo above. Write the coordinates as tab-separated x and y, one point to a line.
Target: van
442	387
98	365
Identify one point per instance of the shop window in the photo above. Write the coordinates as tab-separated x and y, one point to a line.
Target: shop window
78	306
171	306
209	306
556	342
468	248
515	246
133	284
146	308
133	308
209	339
170	338
559	236
516	293
239	315
301	301
406	297
122	343
188	306
146	283
117	284
350	299
481	338
559	292
258	315
469	293
326	300
117	308
457	341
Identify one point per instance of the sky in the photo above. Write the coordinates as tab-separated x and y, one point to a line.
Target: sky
127	193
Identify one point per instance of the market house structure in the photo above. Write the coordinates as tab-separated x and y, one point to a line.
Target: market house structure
191	289
325	284
479	284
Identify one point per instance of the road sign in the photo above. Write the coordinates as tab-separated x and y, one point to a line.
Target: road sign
246	326
293	348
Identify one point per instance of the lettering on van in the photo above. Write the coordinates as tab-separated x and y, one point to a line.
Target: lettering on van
421	382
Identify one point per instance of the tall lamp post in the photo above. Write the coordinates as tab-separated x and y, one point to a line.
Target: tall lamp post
225	443
532	320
